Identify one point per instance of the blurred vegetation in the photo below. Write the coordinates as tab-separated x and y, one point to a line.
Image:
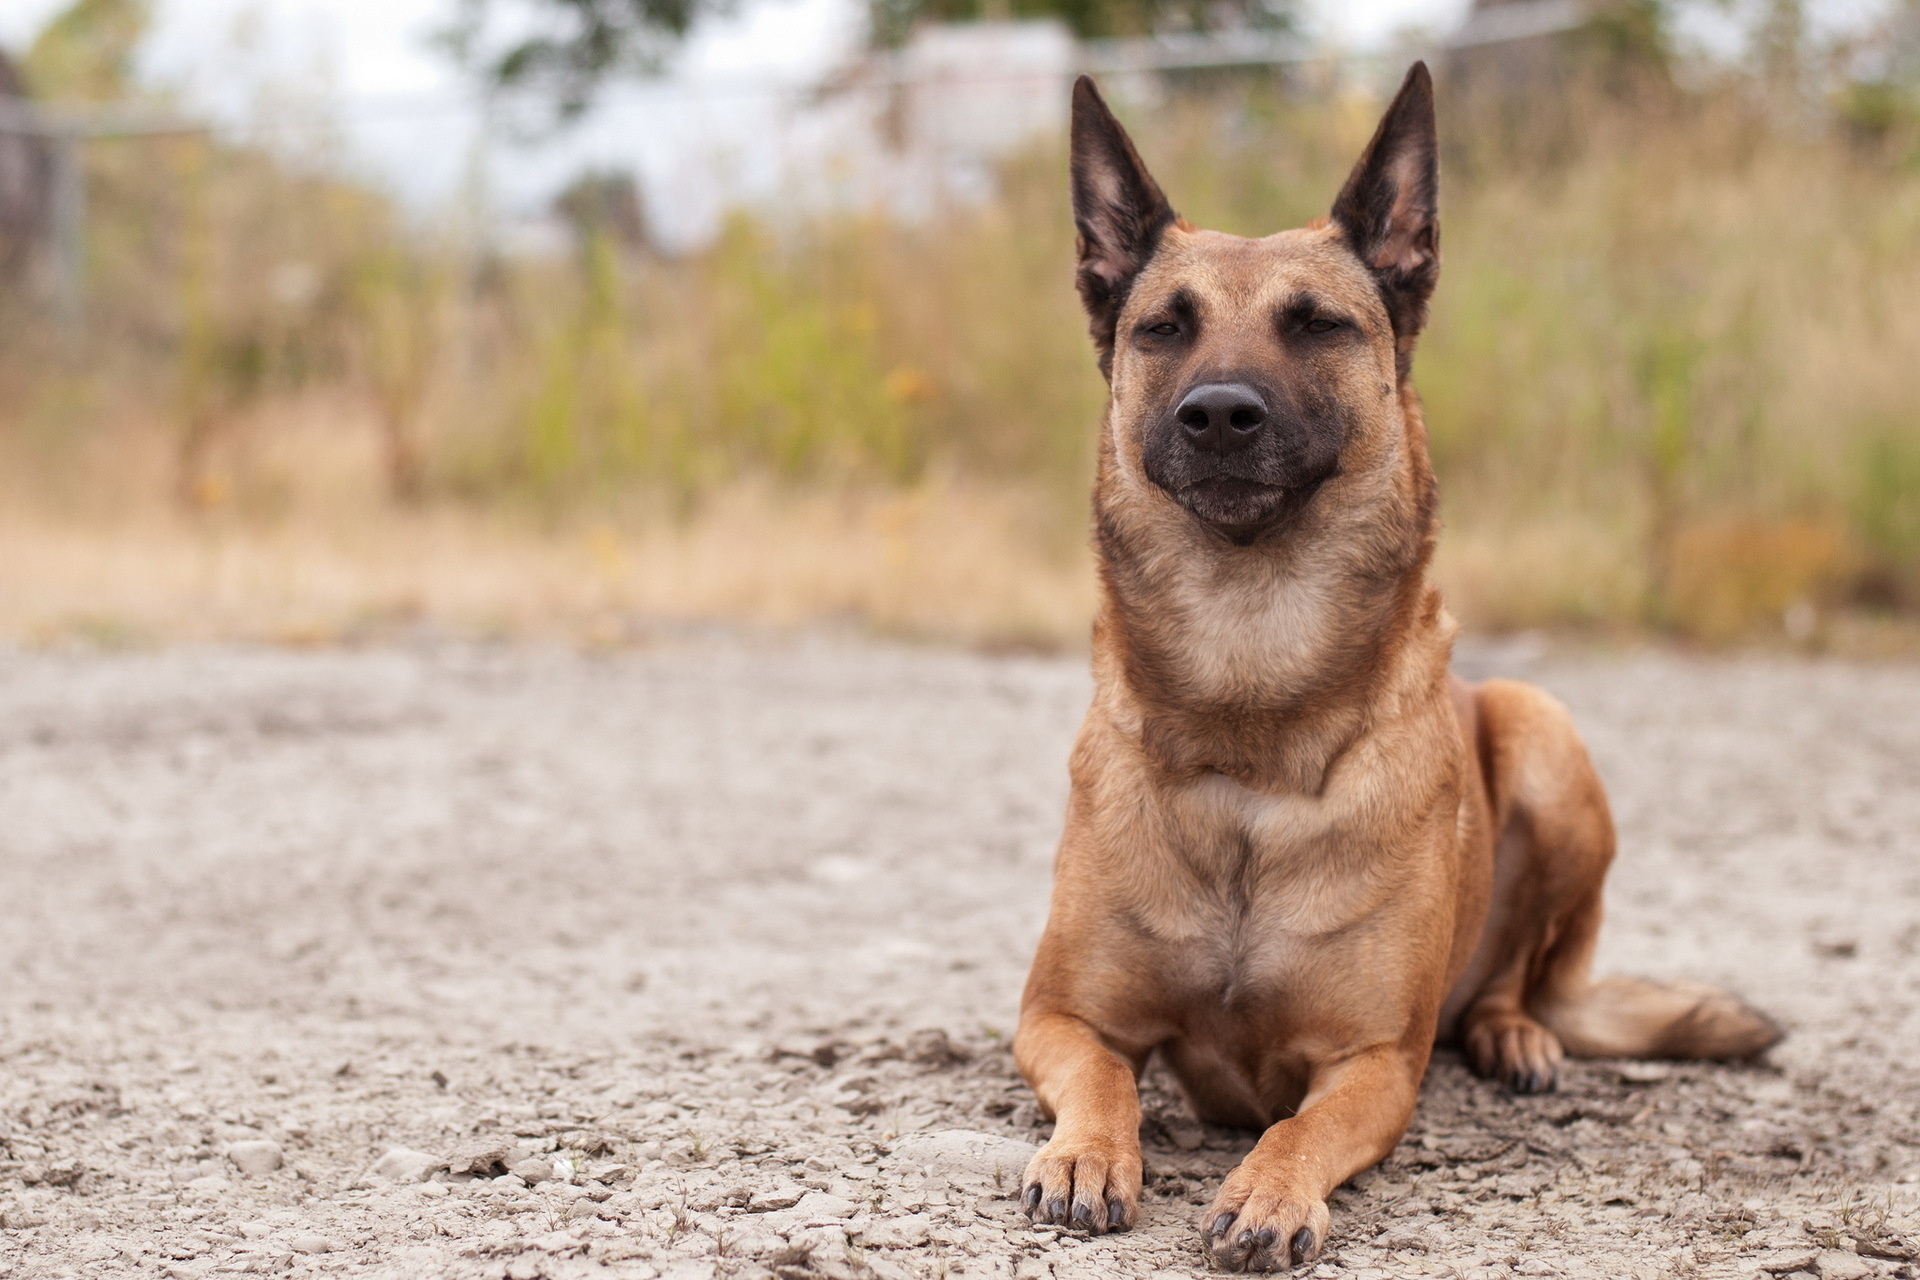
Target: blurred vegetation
894	20
1670	374
85	54
562	52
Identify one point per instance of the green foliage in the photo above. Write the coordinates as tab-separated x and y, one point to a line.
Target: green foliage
894	20
85	54
1886	512
574	46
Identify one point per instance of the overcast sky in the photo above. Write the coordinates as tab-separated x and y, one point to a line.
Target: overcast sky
407	121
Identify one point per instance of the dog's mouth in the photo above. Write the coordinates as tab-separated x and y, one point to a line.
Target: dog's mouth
1239	509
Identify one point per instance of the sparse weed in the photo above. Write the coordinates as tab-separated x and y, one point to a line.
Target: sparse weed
680	1220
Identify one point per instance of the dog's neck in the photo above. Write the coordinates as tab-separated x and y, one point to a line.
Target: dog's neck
1266	662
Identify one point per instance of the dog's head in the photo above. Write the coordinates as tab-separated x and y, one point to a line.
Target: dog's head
1247	373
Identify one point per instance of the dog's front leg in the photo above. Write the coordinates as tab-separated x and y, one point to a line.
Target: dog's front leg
1271	1212
1088	1175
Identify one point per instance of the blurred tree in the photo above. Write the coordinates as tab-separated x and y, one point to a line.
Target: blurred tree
86	53
564	50
894	20
600	205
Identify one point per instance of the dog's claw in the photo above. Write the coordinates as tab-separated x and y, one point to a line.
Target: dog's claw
1116	1215
1057	1211
1221	1225
1083	1216
1302	1245
1030	1199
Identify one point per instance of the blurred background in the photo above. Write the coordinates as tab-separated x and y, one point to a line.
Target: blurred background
573	318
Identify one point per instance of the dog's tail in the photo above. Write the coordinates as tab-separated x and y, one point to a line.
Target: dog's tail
1638	1018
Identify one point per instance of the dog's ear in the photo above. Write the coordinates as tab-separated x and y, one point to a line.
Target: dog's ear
1117	209
1389	208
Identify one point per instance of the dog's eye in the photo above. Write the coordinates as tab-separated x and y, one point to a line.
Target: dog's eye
1164	329
1322	325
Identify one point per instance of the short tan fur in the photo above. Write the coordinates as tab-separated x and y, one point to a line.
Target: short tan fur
1298	851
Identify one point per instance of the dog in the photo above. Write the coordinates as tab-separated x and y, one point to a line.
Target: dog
1298	851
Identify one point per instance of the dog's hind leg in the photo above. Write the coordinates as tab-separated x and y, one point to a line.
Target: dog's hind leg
1554	844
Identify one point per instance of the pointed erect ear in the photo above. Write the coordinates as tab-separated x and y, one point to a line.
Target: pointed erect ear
1389	208
1117	209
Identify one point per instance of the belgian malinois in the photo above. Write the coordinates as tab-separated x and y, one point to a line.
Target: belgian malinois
1297	850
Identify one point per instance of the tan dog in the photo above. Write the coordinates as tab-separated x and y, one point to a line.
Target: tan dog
1297	850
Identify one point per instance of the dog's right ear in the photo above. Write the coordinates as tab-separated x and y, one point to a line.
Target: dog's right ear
1118	211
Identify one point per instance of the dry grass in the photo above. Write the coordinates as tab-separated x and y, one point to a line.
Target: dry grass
1669	380
301	547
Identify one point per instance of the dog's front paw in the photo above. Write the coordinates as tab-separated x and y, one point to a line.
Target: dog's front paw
1259	1224
1089	1183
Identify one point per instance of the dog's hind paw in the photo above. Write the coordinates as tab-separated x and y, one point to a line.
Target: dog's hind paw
1515	1050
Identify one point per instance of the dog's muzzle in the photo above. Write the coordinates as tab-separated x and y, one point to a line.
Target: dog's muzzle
1222	417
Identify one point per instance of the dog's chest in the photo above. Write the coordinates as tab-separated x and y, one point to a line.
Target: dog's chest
1265	880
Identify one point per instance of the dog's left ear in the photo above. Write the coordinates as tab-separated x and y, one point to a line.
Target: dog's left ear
1389	208
1118	210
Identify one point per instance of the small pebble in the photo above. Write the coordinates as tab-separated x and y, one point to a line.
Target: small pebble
403	1164
310	1242
257	1157
531	1171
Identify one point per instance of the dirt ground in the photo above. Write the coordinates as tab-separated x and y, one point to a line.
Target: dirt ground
698	960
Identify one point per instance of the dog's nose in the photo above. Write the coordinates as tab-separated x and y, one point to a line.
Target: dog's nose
1221	417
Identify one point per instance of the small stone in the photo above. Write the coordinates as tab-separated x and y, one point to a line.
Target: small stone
533	1170
488	1157
1837	1265
819	1205
782	1195
433	1190
933	1048
1643	1072
1786	1261
55	1175
257	1157
403	1164
586	1209
1186	1135
254	1230
310	1242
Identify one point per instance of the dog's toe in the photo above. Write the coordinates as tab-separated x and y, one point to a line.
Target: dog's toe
1089	1186
1516	1051
1256	1226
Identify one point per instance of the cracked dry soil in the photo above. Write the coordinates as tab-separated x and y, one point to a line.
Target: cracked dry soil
698	961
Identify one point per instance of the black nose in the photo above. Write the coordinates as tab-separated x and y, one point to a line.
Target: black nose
1221	417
